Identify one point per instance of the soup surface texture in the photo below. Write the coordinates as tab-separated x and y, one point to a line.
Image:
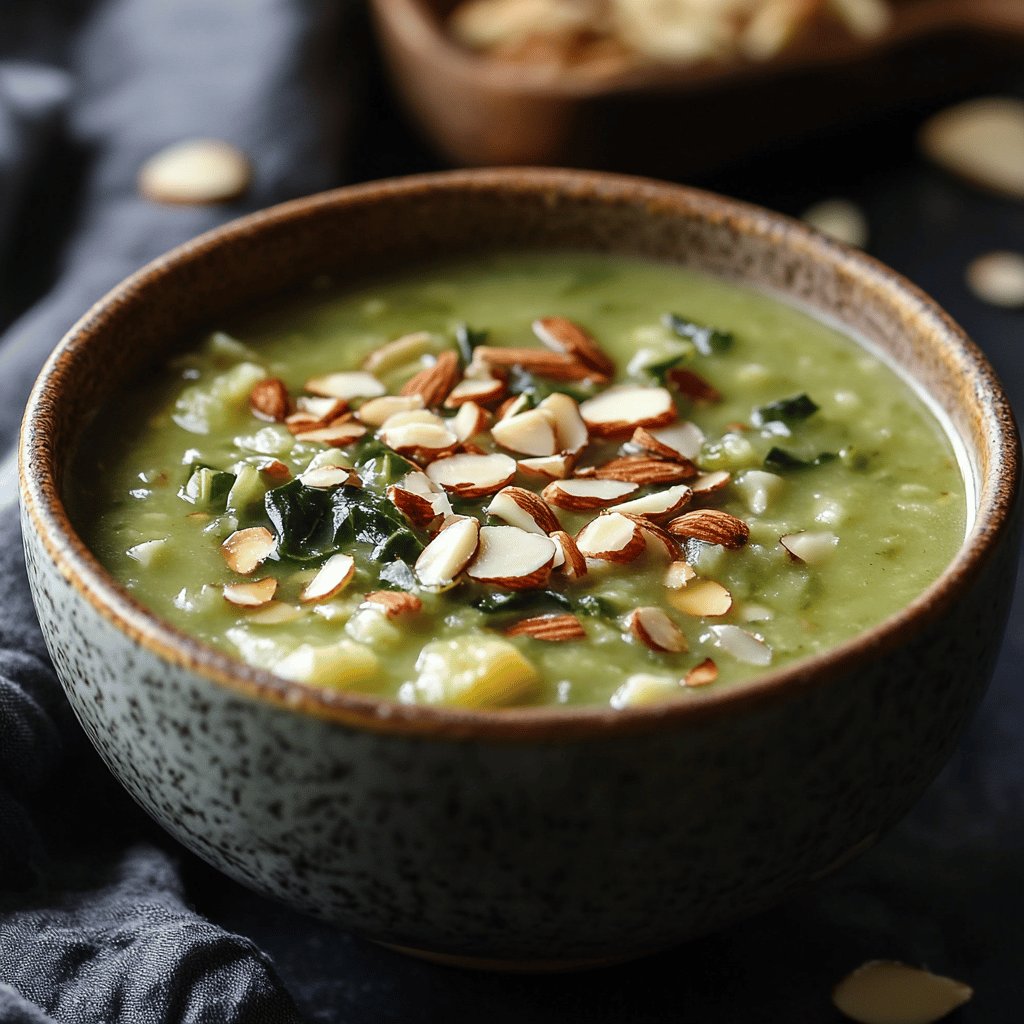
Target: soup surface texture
601	481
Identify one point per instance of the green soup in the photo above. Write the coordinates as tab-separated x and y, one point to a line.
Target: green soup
751	486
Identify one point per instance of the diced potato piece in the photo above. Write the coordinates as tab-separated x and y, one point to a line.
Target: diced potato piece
644	688
370	625
339	664
474	673
203	408
248	488
757	488
149	552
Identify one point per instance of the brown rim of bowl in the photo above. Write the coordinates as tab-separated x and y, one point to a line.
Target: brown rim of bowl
995	498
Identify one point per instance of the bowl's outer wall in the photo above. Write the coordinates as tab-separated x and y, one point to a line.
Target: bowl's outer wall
589	844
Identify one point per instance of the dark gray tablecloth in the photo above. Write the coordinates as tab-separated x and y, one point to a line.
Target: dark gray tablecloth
102	917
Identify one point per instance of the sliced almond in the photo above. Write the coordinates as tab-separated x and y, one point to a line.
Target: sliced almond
710	483
334	575
325	477
399	352
548	467
313	413
403	419
678	575
196	171
246	550
562	335
347	385
701	597
423	442
581	495
658	542
251	594
701	675
711	526
512	558
420	500
522	508
620	410
434	383
611	538
275	471
483	391
469	421
551	628
810	546
742	645
653	628
513	406
659	505
394	602
275	613
554	365
568	558
529	433
377	411
680	441
473	476
888	992
694	386
269	400
571	434
444	558
645	470
337	435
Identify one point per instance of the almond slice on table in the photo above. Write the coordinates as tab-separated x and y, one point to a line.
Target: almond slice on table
444	558
694	386
473	476
711	526
710	483
680	441
337	435
482	390
548	467
571	434
741	644
195	172
269	400
346	385
394	603
810	546
701	675
580	495
679	574
551	628
377	411
659	505
528	433
435	382
419	499
611	538
562	335
246	550
888	992
522	508
621	409
568	558
325	477
423	442
398	352
251	594
657	541
334	575
700	598
644	470
554	365
512	558
653	628
469	421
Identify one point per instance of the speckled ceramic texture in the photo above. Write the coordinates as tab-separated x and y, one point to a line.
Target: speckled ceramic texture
533	835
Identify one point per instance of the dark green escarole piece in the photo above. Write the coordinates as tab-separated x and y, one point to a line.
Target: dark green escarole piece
537	602
707	340
786	410
379	466
207	488
312	523
536	389
779	458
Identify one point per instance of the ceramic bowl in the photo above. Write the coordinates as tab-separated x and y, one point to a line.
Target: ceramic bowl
533	837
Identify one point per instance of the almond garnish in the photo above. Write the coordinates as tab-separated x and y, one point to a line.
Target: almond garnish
703	674
571	434
811	547
423	442
681	441
334	575
710	483
562	335
581	495
528	433
888	992
568	558
483	391
403	419
550	628
512	558
348	385
469	421
701	597
275	470
611	538
694	386
743	646
644	470
246	550
325	477
653	628
419	499
337	434
657	541
377	411
620	410
711	526
435	382
252	594
513	406
522	508
394	602
399	352
441	561
548	467
313	413
659	505
678	575
554	365
269	400
473	476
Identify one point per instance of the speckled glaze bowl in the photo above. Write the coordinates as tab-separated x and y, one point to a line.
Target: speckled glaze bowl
541	837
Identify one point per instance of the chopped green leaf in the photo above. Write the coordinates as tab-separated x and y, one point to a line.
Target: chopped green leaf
378	464
466	339
786	410
522	382
596	607
537	601
207	487
708	340
779	458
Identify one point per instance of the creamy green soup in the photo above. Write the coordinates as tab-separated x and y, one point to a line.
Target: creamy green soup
669	482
